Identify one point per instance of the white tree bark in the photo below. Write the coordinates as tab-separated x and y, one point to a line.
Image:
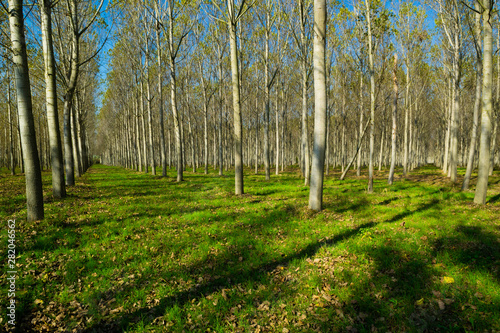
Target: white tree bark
487	111
58	186
34	192
477	101
394	121
318	158
372	96
238	147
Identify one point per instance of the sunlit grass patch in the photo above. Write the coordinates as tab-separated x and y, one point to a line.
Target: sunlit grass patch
127	251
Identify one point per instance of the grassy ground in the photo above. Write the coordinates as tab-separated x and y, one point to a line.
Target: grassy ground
136	253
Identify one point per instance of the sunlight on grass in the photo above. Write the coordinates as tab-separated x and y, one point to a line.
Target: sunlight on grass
130	252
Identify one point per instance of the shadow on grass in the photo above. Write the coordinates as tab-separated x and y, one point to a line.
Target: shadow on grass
402	291
405	276
494	199
474	248
385	300
227	277
421	208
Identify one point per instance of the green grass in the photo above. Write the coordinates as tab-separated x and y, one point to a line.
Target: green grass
129	252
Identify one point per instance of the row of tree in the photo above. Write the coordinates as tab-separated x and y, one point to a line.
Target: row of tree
439	84
227	84
56	63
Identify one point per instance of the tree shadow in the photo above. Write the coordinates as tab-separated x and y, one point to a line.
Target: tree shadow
474	248
226	270
421	208
403	292
494	199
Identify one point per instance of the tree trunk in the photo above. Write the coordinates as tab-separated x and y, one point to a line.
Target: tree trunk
454	114
448	126
173	100
11	136
74	141
493	144
267	89
361	115
277	133
394	121
372	98
382	137
160	104
477	102
221	101
34	192
150	115
138	134
407	112
487	111
144	132
305	136
318	159
56	157
238	160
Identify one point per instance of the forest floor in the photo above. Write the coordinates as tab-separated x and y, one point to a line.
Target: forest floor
131	252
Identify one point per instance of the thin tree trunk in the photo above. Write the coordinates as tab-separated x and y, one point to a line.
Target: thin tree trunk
173	100
238	160
34	192
150	114
160	103
277	133
372	98
361	115
58	185
454	114
267	106
487	111
74	141
477	102
381	150
11	136
144	132
493	145
358	149
407	112
394	121
138	134
305	136
448	127
318	159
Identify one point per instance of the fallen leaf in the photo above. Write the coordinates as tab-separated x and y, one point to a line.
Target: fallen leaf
441	305
420	302
116	310
448	279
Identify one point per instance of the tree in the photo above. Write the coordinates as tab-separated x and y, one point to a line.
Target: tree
372	94
34	193
304	71
394	121
56	157
451	22
233	15
477	102
487	103
71	69
174	45
318	158
160	93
